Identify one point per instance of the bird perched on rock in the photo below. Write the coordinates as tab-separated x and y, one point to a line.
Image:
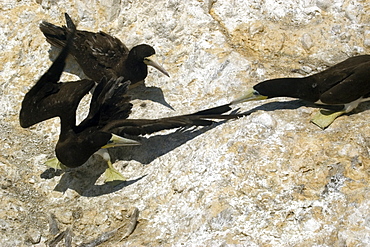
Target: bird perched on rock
101	55
50	98
107	118
107	123
345	84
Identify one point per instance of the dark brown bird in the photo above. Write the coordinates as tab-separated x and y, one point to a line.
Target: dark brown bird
101	55
107	118
107	122
345	84
49	98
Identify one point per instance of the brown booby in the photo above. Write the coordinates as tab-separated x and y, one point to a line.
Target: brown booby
102	55
107	119
345	84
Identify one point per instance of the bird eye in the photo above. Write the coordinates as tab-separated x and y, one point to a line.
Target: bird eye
256	93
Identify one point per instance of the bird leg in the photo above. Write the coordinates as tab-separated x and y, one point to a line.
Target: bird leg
111	174
324	117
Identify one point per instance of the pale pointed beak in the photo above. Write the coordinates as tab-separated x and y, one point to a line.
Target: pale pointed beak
119	141
151	62
250	95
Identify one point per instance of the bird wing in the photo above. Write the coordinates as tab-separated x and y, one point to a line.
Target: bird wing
48	98
353	86
105	49
148	126
94	52
109	102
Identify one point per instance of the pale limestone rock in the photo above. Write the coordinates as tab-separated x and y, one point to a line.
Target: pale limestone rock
307	41
270	178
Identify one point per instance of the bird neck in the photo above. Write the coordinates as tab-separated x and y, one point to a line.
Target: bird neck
67	126
302	88
135	71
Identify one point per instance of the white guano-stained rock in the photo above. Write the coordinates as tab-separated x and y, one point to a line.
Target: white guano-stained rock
268	179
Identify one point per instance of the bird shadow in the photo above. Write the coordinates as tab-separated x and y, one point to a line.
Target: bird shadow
155	146
289	105
154	94
84	179
361	107
295	104
71	67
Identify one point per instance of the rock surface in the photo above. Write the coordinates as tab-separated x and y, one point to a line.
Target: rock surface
268	179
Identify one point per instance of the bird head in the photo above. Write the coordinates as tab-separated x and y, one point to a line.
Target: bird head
145	53
250	95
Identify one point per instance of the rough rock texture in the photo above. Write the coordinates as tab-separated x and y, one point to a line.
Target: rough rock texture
268	179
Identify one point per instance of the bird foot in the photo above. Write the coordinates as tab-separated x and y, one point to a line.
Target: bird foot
55	163
111	174
325	117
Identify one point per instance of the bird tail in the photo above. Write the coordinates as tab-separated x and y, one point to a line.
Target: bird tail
149	126
55	35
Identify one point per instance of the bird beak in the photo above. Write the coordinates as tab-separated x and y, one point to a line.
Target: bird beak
250	95
118	141
149	61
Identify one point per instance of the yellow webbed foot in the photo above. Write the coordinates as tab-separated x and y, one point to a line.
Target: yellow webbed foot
111	174
55	163
325	117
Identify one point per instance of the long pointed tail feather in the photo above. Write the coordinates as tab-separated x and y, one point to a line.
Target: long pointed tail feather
148	126
55	35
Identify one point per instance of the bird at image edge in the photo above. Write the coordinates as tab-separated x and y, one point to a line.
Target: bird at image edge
345	84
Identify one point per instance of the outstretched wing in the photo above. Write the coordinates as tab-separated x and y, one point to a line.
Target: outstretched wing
148	126
109	102
48	98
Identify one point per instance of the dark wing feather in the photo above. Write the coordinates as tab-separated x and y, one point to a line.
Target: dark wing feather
352	87
96	53
148	126
215	110
48	98
106	49
109	102
69	22
340	76
63	103
56	36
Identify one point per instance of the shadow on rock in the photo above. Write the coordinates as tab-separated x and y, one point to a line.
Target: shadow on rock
155	146
295	104
154	94
84	179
